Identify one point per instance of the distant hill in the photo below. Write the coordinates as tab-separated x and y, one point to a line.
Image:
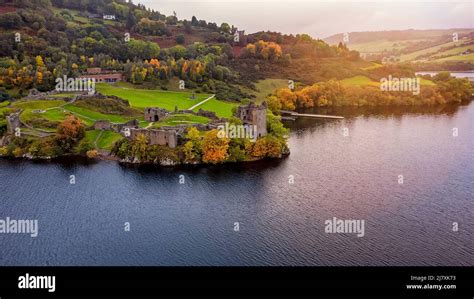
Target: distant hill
421	46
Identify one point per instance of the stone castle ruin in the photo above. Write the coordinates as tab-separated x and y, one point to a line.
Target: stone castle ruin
251	114
167	137
256	115
154	114
13	122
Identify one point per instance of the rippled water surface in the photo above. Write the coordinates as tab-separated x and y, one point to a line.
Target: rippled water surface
353	177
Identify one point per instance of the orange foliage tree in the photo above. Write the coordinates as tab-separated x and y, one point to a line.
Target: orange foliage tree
214	149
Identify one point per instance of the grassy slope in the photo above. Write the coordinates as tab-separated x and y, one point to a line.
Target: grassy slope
94	115
431	50
142	98
359	81
468	57
454	51
56	110
43	105
380	46
222	109
29	106
365	81
268	86
178	119
106	140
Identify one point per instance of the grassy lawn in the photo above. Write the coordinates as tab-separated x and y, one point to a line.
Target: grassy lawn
142	98
359	81
90	115
92	135
52	115
56	113
182	119
106	140
222	109
63	95
38	104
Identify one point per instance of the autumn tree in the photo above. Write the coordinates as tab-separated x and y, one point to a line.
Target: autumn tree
268	146
69	133
192	148
214	149
139	148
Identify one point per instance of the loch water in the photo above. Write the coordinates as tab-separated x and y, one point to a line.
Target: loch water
280	205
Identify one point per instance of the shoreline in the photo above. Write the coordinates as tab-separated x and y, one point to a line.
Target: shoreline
119	161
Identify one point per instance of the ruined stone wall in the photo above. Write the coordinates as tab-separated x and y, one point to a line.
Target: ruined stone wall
157	137
102	125
154	114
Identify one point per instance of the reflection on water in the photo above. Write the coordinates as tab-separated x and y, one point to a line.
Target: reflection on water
353	177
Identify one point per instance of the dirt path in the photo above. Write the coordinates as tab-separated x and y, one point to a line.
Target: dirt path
199	104
97	139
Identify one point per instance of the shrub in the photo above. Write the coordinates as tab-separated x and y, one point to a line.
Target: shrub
92	154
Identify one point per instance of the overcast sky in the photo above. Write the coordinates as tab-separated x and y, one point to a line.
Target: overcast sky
323	18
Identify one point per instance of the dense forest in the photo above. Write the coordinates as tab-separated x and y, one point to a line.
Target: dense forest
43	40
46	39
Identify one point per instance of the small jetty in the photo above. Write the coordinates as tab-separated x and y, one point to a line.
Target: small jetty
291	115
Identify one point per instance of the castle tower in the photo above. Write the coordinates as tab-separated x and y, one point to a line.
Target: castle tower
256	115
13	122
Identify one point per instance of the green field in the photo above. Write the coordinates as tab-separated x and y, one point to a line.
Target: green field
52	115
56	110
431	50
92	116
268	86
373	66
222	109
181	119
467	57
454	51
38	104
365	81
106	139
359	81
142	98
380	46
